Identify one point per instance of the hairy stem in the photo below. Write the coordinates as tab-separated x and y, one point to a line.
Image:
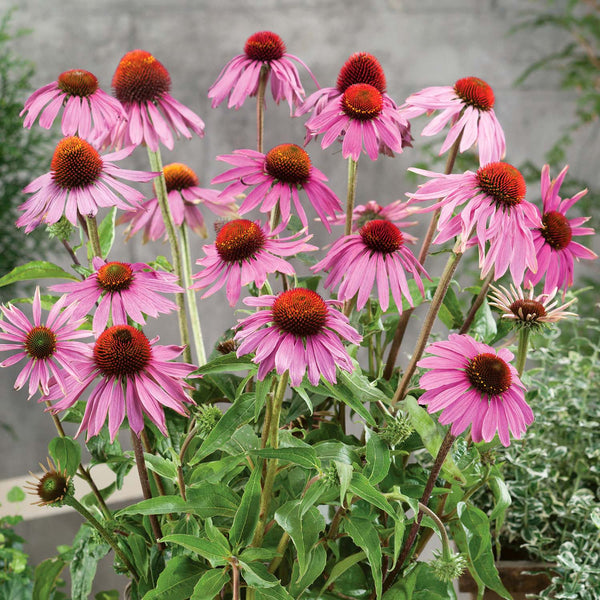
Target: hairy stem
92	231
260	107
522	350
477	303
351	195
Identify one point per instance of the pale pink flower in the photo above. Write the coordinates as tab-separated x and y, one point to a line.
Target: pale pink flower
121	290
137	378
276	178
468	106
376	255
86	107
297	332
240	77
556	251
472	384
245	252
80	181
495	211
46	346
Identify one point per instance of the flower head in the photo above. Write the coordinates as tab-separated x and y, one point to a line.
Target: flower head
46	346
468	106
121	290
79	181
448	566
87	108
472	384
185	197
52	487
495	211
555	248
245	251
302	335
264	51
142	85
276	178
376	254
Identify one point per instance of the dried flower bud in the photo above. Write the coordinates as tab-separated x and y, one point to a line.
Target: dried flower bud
226	346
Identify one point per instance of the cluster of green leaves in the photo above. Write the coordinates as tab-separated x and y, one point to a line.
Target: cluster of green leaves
16	575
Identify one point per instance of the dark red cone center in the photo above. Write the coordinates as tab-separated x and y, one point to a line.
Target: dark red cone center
264	46
115	276
557	230
528	309
239	240
40	342
122	351
75	164
489	374
78	82
503	182
300	311
288	163
475	92
381	236
362	101
140	78
361	67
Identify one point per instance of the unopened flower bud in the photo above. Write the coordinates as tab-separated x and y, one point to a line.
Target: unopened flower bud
397	430
448	566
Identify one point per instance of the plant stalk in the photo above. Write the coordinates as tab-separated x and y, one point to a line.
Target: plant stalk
92	230
522	350
477	303
260	107
351	195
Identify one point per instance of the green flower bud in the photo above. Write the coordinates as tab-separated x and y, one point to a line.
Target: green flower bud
448	568
397	430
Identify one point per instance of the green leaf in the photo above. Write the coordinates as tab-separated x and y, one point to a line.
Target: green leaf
246	517
450	312
257	575
88	549
202	547
361	486
178	579
210	584
212	500
317	560
106	231
502	497
227	363
160	505
303	457
45	578
378	458
274	593
344	472
66	453
162	466
215	536
36	269
303	527
341	567
15	494
484	324
107	595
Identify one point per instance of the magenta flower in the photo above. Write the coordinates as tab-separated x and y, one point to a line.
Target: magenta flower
240	77
137	377
556	251
47	346
468	106
276	178
495	211
79	181
86	107
185	198
244	252
122	290
375	255
472	384
361	116
142	84
302	335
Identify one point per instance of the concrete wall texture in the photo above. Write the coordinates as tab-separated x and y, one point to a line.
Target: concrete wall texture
419	43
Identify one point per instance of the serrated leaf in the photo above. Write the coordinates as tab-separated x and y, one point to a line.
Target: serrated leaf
210	584
227	363
344	472
87	551
317	560
450	312
106	231
303	457
484	324
202	547
178	579
162	466
246	517
361	486
36	269
341	567
45	578
66	453
501	496
378	458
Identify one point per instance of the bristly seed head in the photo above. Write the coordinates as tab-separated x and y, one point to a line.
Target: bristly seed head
489	374
475	92
362	102
556	230
40	342
179	177
115	276
264	46
381	236
140	78
361	67
300	311
239	240
75	164
503	182
52	487
527	309
288	163
78	82
121	351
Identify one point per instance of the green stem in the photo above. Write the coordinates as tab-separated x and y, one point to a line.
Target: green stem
92	229
522	350
477	303
191	297
442	530
352	167
163	202
260	107
281	547
69	500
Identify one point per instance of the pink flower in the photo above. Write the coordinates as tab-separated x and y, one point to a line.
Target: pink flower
375	255
472	384
121	290
137	376
142	84
47	346
86	107
79	181
239	79
185	197
244	252
495	211
301	336
556	251
361	116
276	178
468	106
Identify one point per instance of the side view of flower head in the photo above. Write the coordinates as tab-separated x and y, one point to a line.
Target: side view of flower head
298	331
473	384
265	55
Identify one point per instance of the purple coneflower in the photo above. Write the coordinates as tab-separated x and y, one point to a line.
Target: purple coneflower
122	290
245	251
469	106
86	107
302	335
376	254
79	181
556	251
495	211
47	347
240	77
137	377
472	384
276	178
